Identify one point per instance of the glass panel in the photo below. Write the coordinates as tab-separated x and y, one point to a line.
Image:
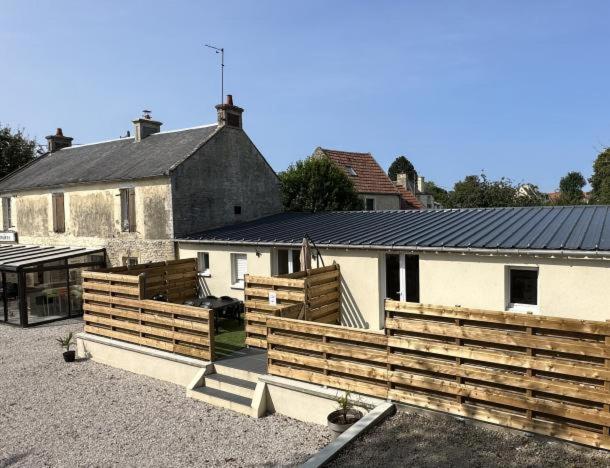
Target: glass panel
12	297
46	294
524	287
76	289
392	277
296	261
412	278
282	261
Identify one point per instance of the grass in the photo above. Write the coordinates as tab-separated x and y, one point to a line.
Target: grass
231	337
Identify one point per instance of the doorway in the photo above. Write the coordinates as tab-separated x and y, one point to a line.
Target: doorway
402	277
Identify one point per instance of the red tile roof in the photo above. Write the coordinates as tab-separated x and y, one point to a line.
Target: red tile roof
369	176
408	201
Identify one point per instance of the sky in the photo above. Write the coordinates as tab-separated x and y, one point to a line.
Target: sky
516	89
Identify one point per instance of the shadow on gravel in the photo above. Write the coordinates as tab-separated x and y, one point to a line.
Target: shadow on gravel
13	459
433	440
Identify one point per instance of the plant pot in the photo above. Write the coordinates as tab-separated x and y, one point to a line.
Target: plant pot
338	424
69	356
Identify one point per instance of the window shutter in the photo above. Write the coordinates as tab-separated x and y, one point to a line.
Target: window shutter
241	267
132	210
124	210
59	224
6	213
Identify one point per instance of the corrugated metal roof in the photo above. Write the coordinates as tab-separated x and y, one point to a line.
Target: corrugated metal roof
567	228
114	160
16	256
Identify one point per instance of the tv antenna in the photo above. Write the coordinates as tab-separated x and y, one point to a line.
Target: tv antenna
221	51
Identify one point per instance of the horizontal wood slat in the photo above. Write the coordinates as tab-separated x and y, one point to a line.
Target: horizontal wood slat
542	374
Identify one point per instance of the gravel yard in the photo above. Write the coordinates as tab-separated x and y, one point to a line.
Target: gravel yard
88	414
426	439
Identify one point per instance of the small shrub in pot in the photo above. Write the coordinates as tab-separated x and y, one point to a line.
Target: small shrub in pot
344	417
66	343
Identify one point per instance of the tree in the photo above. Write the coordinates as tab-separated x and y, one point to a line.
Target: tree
480	192
570	189
318	184
402	165
16	150
440	195
600	180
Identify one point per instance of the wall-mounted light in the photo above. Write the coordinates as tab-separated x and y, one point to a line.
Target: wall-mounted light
258	253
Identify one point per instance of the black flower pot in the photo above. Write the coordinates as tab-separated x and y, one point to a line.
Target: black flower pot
69	356
340	421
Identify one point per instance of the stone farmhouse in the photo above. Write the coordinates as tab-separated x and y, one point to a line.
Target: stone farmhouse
133	195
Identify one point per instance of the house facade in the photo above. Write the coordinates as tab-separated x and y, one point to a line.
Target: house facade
371	182
133	195
540	260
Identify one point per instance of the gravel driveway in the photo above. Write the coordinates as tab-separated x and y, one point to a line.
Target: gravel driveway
88	414
426	439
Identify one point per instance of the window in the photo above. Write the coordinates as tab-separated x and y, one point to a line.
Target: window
288	261
402	277
59	216
128	210
351	171
130	261
203	263
369	204
239	268
523	288
6	213
237	209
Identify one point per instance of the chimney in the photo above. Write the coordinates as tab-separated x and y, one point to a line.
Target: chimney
421	184
228	114
145	126
58	141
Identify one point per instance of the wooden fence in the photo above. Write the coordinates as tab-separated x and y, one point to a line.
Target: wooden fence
176	279
312	295
115	307
542	374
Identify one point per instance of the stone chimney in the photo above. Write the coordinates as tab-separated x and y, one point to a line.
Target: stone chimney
421	184
58	141
228	114
145	126
403	181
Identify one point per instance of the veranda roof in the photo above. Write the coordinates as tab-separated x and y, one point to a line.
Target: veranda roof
14	257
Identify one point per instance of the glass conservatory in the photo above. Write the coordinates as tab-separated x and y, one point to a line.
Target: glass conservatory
42	284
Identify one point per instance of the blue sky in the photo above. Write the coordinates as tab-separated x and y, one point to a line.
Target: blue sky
517	89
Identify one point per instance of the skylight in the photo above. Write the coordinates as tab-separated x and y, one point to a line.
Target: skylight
351	171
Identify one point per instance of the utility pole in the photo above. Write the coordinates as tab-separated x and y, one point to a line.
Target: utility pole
221	51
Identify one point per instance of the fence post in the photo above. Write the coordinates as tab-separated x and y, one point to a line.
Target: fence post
606	429
458	362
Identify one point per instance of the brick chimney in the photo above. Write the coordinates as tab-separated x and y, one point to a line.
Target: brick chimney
145	126
58	141
228	114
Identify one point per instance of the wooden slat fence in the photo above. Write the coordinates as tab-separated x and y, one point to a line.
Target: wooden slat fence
176	279
312	295
115	307
542	374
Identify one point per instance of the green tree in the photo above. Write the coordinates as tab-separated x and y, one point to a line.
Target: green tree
318	184
16	150
402	165
600	180
439	193
480	192
570	189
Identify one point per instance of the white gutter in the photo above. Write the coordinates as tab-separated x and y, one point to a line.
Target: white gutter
415	248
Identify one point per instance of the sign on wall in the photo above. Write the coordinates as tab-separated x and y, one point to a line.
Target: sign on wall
272	298
8	236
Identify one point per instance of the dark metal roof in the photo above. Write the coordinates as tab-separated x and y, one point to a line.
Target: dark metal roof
13	257
569	228
123	159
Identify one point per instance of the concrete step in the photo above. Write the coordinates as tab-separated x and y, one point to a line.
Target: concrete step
223	399
230	384
242	374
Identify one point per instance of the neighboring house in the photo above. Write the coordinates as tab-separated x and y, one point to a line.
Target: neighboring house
133	195
372	183
417	190
540	260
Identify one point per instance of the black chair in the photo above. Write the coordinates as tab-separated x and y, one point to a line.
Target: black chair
226	298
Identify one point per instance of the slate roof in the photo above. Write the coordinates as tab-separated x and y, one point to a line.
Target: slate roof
369	176
114	160
527	229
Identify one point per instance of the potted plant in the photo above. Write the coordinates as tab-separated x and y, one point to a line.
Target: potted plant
66	343
344	417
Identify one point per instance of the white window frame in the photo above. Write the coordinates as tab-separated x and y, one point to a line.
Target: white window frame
206	270
518	307
276	265
237	283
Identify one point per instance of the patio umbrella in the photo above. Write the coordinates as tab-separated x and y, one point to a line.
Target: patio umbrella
305	255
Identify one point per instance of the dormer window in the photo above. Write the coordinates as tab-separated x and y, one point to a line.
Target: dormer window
350	170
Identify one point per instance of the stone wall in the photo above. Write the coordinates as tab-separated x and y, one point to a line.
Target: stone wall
227	171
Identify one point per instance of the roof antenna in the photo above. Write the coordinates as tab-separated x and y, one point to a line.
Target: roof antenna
221	51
